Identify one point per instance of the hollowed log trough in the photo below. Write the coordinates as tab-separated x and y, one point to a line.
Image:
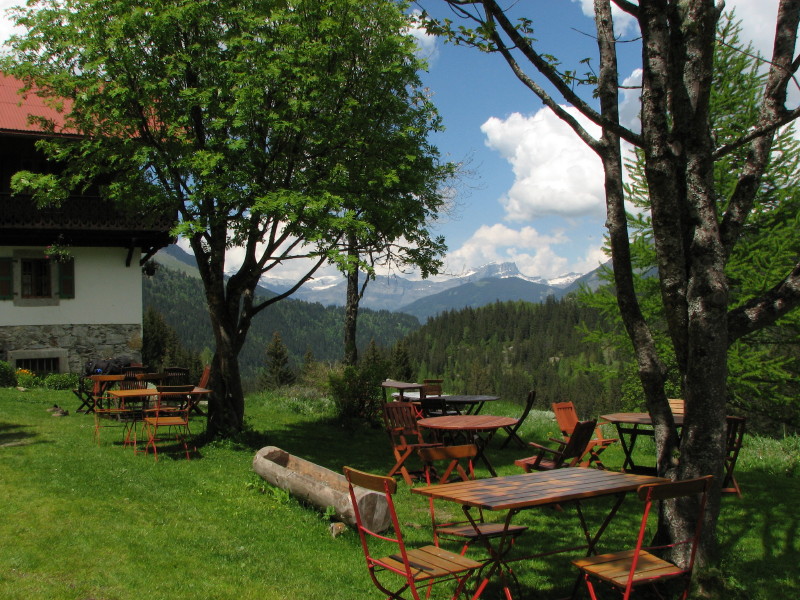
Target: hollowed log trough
321	487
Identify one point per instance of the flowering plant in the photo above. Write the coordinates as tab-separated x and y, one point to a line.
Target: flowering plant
57	251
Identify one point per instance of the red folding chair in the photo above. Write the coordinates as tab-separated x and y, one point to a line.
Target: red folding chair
630	569
400	419
416	567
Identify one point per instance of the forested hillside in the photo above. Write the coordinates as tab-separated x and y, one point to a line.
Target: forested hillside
510	347
303	326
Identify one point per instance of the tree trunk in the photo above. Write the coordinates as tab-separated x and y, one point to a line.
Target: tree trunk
351	316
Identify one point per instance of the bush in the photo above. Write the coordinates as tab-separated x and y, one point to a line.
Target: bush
28	379
61	381
7	376
357	393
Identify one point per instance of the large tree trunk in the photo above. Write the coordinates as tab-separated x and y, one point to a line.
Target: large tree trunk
351	314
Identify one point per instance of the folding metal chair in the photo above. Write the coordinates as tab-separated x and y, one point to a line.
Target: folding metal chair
400	419
630	569
417	567
567	419
569	455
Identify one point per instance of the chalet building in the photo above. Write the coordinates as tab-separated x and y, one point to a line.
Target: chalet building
70	276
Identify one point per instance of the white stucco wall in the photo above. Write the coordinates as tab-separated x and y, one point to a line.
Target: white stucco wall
106	292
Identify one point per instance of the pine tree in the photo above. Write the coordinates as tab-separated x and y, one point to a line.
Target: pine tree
278	373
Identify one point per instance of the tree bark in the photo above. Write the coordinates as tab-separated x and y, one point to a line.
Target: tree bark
351	312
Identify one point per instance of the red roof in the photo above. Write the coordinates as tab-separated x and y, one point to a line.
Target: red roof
14	108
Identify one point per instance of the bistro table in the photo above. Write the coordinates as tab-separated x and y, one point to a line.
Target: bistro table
467	404
479	430
132	414
514	493
632	425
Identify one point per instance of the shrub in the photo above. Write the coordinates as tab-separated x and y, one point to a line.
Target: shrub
357	393
61	381
28	379
7	376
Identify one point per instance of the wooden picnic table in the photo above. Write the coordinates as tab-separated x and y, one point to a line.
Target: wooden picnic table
514	493
478	429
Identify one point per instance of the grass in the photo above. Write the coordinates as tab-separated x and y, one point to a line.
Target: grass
87	522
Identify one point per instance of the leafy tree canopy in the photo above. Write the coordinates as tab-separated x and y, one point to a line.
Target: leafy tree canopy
262	123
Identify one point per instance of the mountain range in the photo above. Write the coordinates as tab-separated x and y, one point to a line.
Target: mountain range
421	298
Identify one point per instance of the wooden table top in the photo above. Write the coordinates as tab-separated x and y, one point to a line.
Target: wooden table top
636	418
528	490
401	385
467	422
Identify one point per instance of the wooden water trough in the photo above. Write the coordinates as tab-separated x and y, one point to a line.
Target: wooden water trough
321	487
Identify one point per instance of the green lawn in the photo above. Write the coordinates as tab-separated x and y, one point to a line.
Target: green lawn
83	522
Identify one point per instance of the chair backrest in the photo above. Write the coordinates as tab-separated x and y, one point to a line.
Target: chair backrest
176	375
386	486
175	396
433	406
578	441
131	381
400	419
433	387
676	405
455	456
566	417
205	377
651	492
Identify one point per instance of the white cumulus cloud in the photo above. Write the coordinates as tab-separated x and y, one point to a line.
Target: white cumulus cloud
555	173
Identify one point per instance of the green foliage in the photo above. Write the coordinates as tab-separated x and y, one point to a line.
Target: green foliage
508	348
161	346
178	298
280	128
28	379
61	381
764	366
357	393
8	378
277	373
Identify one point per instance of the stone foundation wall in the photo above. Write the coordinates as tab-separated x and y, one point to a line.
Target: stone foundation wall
72	344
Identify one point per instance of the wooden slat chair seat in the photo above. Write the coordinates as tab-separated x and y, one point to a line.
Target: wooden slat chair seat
416	567
405	437
630	569
568	455
458	466
567	419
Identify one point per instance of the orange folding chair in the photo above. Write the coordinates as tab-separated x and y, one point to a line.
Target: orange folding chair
568	455
630	569
417	567
466	531
567	419
400	419
173	405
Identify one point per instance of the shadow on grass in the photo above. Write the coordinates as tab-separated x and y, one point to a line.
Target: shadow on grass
12	434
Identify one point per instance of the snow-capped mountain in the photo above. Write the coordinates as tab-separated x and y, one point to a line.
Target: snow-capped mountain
422	298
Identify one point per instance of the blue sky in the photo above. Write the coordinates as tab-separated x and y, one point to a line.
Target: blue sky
534	194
